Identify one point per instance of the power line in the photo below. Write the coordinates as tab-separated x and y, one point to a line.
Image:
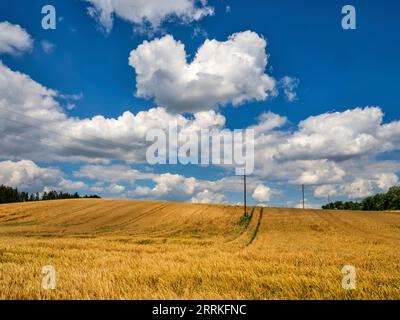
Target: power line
245	194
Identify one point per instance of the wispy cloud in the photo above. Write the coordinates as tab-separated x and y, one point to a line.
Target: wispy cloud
289	86
47	46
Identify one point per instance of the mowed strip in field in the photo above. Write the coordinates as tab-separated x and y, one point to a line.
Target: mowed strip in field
120	249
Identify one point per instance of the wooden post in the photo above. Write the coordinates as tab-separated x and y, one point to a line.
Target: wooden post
244	194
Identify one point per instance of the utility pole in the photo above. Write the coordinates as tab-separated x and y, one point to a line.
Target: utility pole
302	189
245	195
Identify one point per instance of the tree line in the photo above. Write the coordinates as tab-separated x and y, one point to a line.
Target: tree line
11	195
379	202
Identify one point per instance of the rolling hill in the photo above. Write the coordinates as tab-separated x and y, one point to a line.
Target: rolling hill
122	249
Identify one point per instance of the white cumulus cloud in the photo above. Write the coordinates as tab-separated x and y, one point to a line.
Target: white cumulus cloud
115	188
338	135
232	71
207	196
147	12
28	176
262	193
14	39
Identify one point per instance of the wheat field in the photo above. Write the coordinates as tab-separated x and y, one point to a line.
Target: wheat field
120	249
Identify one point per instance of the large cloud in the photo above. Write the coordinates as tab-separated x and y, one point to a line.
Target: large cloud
147	12
323	144
339	136
335	154
14	39
34	125
221	72
28	114
358	187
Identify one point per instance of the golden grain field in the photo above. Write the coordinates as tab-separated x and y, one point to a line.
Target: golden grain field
120	249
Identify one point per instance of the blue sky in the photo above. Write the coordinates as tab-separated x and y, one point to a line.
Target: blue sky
336	70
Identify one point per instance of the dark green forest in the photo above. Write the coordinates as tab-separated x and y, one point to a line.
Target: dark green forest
11	195
379	202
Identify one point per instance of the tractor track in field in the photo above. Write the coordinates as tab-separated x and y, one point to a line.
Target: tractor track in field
245	228
137	218
167	232
93	217
54	217
254	236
